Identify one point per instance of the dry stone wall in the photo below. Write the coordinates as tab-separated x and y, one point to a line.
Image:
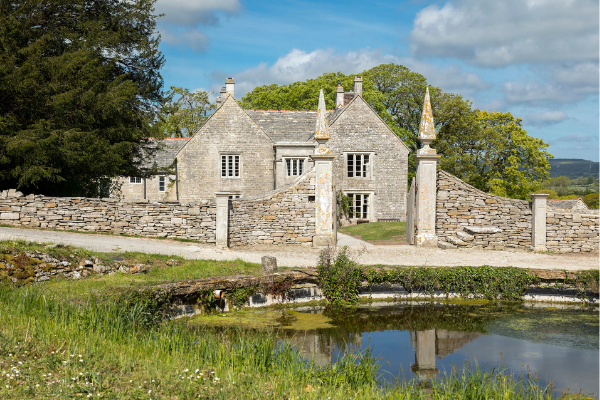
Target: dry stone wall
468	217
195	220
571	232
284	216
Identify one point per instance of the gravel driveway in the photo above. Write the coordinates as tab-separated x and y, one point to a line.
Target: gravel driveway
302	256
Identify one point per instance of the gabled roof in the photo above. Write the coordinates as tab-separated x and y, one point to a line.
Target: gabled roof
285	126
335	115
165	154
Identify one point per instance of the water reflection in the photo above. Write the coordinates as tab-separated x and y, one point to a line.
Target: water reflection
424	340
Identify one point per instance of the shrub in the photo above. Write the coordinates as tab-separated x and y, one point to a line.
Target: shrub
591	200
339	277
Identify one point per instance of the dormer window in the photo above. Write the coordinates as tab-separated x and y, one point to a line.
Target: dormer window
294	166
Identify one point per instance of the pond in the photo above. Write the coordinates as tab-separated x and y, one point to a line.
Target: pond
559	343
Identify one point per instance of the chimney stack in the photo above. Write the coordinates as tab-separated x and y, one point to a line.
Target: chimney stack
358	86
339	96
229	86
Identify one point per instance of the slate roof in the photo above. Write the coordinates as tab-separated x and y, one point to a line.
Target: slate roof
165	155
285	126
572	204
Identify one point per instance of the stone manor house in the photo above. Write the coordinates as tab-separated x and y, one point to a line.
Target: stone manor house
251	152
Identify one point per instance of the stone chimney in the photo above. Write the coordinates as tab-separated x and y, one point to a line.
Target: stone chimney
229	86
339	96
221	99
358	86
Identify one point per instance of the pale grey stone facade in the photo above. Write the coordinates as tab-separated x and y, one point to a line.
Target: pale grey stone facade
251	152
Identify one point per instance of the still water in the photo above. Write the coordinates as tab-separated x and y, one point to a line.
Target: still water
560	343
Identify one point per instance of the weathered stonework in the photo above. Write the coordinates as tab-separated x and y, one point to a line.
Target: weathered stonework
356	128
284	216
492	222
460	206
172	220
571	232
229	131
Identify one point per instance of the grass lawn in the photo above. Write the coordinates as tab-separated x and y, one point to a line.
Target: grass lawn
378	232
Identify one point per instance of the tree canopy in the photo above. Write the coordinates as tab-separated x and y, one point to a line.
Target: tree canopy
489	150
183	112
79	83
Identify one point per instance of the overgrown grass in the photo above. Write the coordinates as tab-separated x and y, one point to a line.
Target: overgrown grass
164	269
118	349
377	231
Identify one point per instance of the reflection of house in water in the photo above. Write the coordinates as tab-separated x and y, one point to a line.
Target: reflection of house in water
319	347
440	342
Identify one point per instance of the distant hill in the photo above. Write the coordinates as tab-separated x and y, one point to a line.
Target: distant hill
573	168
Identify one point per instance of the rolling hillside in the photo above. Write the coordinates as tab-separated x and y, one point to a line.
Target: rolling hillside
573	168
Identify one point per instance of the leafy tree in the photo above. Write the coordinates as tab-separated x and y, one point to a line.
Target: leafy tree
79	82
183	116
494	153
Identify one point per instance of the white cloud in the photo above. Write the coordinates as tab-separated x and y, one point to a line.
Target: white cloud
564	83
191	38
497	33
182	18
299	65
194	12
546	118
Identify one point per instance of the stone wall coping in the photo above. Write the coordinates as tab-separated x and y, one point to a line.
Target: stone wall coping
475	190
271	193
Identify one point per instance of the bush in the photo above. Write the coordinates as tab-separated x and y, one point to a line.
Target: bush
591	200
339	277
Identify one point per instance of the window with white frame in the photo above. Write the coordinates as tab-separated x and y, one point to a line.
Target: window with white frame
359	205
135	179
162	183
294	166
230	166
358	165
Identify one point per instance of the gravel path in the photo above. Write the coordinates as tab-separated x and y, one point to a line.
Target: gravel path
301	256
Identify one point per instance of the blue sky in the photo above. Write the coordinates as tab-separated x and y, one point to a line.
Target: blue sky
537	59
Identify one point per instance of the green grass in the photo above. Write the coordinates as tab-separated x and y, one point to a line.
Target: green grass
377	231
119	349
164	269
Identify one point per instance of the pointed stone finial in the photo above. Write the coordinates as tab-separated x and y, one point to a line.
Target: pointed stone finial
322	127
427	127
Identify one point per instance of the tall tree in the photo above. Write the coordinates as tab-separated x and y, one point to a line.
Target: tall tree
183	112
79	80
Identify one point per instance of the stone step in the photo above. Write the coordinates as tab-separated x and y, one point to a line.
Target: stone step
482	229
456	241
445	245
465	236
